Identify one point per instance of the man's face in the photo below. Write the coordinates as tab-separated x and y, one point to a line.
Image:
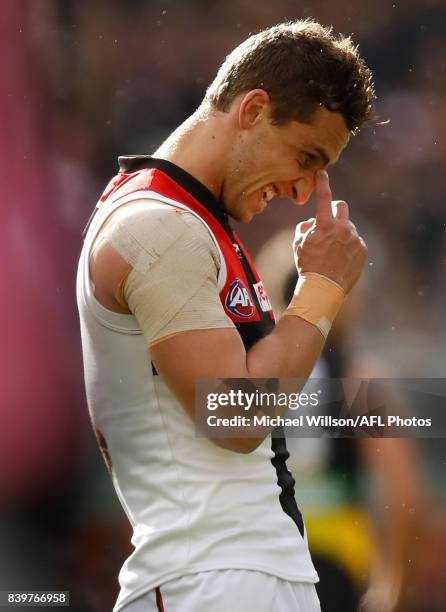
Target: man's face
269	160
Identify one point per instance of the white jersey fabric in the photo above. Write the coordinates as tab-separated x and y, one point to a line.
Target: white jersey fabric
228	591
193	506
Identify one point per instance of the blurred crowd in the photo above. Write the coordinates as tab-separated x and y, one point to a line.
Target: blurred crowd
86	81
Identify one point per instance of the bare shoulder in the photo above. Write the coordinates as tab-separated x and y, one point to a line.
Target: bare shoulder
108	271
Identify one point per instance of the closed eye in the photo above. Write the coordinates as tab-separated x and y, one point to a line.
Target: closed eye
316	160
309	161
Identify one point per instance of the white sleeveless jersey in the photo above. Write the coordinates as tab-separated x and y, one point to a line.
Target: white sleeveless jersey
193	506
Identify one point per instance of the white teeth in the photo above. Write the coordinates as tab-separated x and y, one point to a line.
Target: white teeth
269	193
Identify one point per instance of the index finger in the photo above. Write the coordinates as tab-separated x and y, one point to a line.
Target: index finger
322	192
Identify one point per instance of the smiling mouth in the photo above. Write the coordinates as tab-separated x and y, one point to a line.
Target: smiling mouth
271	191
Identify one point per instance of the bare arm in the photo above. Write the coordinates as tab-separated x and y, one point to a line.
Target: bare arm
290	351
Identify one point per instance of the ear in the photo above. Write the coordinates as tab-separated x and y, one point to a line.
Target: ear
253	108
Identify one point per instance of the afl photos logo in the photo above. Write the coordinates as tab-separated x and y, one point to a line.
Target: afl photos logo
238	300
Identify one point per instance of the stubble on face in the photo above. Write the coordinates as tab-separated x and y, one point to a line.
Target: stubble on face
247	164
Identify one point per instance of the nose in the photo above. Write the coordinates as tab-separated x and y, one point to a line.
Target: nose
299	190
302	189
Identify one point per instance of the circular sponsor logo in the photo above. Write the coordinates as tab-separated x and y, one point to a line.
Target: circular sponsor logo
238	301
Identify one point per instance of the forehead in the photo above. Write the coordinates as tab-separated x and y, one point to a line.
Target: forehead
327	130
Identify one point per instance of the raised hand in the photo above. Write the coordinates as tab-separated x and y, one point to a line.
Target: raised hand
329	244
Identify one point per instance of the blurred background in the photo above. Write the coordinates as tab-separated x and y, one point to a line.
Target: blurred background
83	82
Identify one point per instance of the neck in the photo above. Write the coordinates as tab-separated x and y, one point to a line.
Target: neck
198	146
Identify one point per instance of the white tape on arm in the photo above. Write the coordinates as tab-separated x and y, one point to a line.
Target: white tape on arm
173	284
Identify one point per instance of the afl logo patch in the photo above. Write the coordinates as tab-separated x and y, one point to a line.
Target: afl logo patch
238	300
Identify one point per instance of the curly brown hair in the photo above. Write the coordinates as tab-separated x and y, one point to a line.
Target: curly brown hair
302	66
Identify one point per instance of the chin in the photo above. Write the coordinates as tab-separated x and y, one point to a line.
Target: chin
246	217
243	209
241	215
